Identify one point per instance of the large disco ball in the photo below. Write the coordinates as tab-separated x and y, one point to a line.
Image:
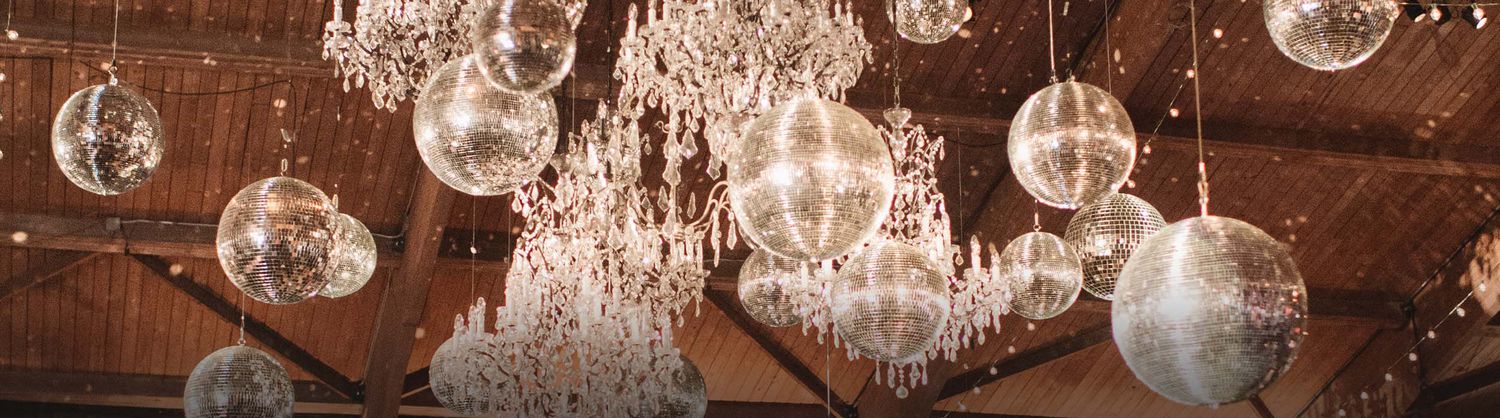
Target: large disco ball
479	139
811	180
107	139
1329	34
1071	144
890	302
768	286
525	45
356	262
686	397
1105	233
1209	311
277	240
1041	274
238	382
927	21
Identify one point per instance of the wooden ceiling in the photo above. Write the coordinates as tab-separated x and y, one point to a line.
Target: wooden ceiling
1382	179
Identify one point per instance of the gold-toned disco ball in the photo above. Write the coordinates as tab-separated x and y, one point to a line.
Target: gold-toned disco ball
1071	144
768	285
1329	35
356	262
927	21
1106	233
525	46
1042	275
276	240
238	382
890	302
479	139
107	139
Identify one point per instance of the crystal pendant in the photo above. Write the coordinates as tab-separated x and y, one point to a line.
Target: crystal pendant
1042	275
238	382
479	139
276	240
1071	144
525	46
107	139
890	302
1329	35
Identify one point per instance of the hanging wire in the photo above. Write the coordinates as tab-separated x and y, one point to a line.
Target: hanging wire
114	44
1036	216
1198	110
1109	53
473	246
242	319
1051	43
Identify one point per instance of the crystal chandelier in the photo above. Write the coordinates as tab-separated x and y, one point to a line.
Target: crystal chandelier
712	65
107	139
1329	35
238	382
393	46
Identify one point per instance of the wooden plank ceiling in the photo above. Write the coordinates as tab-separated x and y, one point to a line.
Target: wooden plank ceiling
1374	176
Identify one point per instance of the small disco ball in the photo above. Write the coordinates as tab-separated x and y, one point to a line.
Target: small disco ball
890	302
277	240
768	286
525	45
1105	233
466	376
1209	311
107	139
811	180
1071	144
1042	275
238	382
687	396
1329	35
479	139
356	262
927	21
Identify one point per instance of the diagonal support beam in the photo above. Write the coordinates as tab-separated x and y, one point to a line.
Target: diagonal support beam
56	265
1026	360
257	329
784	358
405	299
1261	410
1457	386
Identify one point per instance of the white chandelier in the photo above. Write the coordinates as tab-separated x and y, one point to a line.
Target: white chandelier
393	46
728	61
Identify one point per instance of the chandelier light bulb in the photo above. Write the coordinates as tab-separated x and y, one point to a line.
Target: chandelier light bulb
1330	35
768	288
107	139
356	262
889	302
1105	234
1209	311
238	382
811	180
277	240
1071	144
1042	273
525	46
927	21
479	139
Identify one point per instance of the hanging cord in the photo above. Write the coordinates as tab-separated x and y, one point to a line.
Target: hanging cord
242	318
1109	53
473	246
1198	110
1051	43
114	45
895	56
1036	216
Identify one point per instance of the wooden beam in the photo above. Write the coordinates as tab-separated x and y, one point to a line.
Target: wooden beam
405	299
1261	410
784	357
254	327
170	47
1325	305
878	400
56	265
1026	360
1457	386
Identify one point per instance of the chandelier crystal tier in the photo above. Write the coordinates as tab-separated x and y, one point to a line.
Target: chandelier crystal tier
479	139
1105	234
107	139
1071	144
356	262
1041	274
1329	35
1209	311
927	21
393	46
238	382
710	66
277	240
768	287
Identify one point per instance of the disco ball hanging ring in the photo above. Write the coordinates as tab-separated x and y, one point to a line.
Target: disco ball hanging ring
810	180
1106	233
356	262
107	139
926	21
768	285
276	240
1329	35
525	46
890	302
1071	144
479	139
1209	311
238	382
1042	275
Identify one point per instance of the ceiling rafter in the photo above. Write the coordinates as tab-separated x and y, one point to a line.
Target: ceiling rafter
784	357
1026	360
257	329
57	264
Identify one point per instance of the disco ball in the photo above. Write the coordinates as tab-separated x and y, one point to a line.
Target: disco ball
687	395
1105	233
811	180
1209	311
525	45
1042	275
1071	144
1329	34
768	286
890	302
356	262
107	139
276	240
238	382
927	21
479	139
466	377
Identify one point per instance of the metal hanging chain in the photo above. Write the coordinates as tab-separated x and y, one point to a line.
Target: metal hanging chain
1036	216
1198	110
242	318
1051	43
896	56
